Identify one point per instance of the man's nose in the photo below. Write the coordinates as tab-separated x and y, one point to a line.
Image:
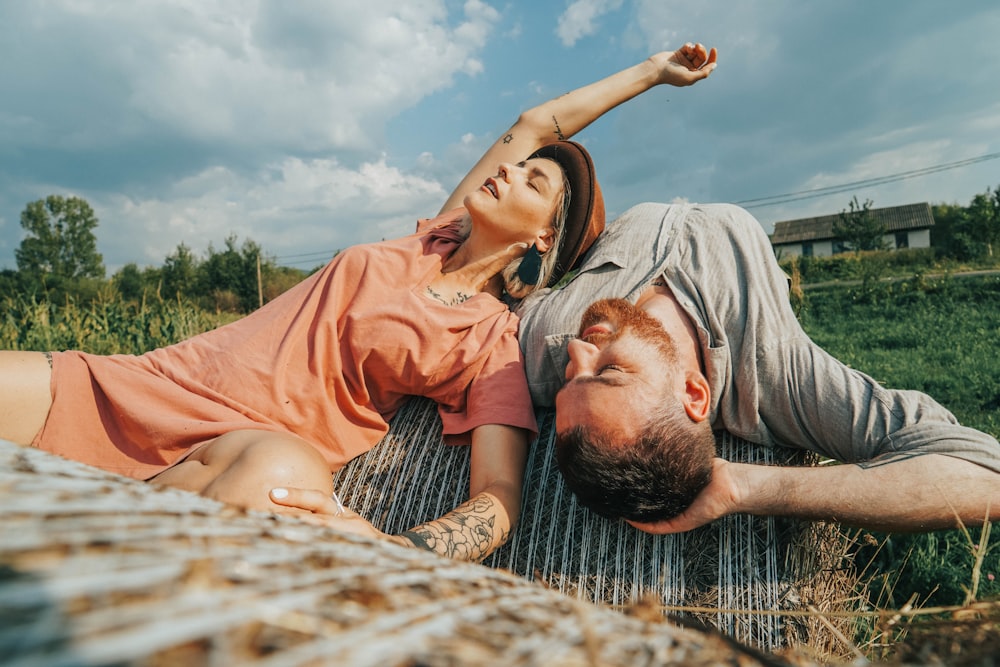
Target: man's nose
582	358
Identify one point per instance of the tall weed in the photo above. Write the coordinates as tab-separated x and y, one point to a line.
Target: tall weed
106	325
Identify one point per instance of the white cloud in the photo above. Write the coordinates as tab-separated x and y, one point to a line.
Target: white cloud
316	204
259	118
580	19
297	76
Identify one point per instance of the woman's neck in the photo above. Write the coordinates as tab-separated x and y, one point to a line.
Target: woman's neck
474	267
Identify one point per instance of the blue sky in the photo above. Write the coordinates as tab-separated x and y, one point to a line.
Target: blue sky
310	126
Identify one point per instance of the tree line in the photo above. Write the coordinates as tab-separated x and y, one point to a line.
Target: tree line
968	232
58	260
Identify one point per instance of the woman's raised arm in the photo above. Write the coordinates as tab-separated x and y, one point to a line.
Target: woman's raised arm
564	116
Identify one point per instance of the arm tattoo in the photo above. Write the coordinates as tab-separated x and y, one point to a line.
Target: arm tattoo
509	138
417	539
466	533
559	132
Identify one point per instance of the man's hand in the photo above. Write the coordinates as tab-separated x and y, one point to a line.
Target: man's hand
685	66
919	493
719	498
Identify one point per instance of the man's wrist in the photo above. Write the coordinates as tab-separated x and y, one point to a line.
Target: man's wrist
764	490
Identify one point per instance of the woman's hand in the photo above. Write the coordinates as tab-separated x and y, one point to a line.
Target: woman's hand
685	66
318	508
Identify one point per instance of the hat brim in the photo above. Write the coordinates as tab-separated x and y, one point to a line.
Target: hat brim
585	218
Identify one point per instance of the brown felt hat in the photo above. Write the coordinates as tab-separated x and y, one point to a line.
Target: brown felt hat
585	220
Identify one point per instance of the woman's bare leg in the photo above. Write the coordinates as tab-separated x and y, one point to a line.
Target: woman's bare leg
242	467
25	395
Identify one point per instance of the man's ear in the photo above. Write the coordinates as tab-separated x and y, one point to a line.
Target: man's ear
545	239
697	396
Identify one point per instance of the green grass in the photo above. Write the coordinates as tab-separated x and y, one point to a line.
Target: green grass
939	336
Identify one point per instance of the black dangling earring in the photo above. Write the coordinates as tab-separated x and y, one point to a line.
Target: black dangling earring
530	267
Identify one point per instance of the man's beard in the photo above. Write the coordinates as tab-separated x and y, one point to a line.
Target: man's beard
627	318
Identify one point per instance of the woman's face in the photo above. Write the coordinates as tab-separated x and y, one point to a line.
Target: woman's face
521	200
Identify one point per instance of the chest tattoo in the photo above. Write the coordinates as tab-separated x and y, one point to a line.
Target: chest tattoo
459	297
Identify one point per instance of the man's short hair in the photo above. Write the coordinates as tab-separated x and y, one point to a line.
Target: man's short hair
652	479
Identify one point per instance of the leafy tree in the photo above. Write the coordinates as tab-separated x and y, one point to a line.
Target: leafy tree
984	216
858	228
966	233
10	283
952	234
60	243
179	274
128	282
232	274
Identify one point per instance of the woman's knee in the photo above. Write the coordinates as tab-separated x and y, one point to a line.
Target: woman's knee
242	467
283	460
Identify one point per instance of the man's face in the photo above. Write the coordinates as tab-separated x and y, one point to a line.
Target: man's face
620	369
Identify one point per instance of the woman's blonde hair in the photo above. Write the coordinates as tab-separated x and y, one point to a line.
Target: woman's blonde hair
516	287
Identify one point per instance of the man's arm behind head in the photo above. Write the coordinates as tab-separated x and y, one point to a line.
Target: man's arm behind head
654	478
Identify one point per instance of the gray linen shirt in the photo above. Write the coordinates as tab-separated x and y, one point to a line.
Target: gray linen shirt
770	383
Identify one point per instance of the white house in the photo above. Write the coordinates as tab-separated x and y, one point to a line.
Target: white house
906	226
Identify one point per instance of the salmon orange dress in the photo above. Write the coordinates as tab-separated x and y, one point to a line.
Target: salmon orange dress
330	360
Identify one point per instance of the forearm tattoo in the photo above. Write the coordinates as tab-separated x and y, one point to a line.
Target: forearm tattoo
559	133
468	532
509	138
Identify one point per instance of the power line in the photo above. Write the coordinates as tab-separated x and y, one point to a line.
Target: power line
305	263
307	257
773	200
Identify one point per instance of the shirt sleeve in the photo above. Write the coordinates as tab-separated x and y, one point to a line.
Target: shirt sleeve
846	415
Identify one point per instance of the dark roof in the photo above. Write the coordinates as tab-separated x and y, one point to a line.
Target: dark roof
895	218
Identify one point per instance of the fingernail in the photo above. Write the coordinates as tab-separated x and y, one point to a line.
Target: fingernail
279	493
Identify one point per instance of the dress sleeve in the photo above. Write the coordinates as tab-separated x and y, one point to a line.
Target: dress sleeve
497	395
445	219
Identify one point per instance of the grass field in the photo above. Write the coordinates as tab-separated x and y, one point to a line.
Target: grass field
939	336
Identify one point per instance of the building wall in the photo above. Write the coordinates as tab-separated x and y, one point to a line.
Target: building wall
819	249
916	238
920	238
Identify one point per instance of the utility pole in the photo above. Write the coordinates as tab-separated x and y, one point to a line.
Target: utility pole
260	286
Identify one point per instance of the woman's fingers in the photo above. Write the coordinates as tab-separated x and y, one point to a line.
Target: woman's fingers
318	508
309	500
